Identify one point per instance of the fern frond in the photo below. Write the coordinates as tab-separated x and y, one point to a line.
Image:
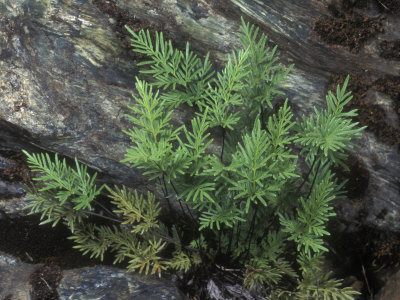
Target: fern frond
331	131
67	185
141	213
307	228
264	76
327	288
215	217
260	272
222	98
252	164
180	261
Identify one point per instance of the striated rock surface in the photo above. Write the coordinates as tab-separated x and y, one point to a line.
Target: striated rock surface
22	281
14	278
67	75
110	283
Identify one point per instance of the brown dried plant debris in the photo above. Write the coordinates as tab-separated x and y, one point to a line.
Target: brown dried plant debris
349	30
390	49
13	167
389	6
44	282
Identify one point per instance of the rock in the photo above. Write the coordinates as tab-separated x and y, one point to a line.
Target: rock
390	289
110	283
22	281
14	278
67	73
14	174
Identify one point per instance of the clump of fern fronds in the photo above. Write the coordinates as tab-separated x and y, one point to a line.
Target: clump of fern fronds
246	198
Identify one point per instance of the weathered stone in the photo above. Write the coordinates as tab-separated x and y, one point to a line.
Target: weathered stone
14	278
18	282
110	283
391	288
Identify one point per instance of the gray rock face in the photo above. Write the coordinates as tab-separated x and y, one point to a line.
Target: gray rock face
19	281
110	283
391	288
67	75
14	278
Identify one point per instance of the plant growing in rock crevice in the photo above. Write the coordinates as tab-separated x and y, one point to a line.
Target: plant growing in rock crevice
246	201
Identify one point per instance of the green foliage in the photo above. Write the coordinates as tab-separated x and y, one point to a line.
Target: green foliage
63	193
331	131
244	197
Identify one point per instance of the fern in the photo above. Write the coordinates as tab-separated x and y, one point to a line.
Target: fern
233	172
141	213
332	129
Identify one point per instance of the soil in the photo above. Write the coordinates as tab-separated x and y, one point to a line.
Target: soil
16	169
366	253
44	281
389	6
33	243
347	29
390	49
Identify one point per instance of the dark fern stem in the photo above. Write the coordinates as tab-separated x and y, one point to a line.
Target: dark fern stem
223	143
195	222
262	112
249	236
165	192
110	213
307	176
315	177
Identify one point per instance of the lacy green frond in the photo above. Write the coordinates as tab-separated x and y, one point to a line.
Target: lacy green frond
145	257
265	76
252	164
141	213
181	261
326	289
74	186
154	139
225	97
196	144
216	217
171	67
308	226
332	130
260	272
93	240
